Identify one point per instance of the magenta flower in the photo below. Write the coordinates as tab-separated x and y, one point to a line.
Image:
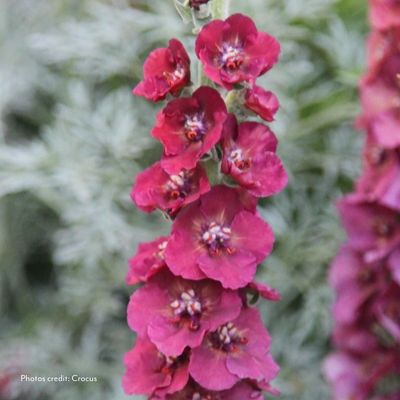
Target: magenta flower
154	188
264	103
263	290
189	127
237	350
381	177
148	261
386	128
371	228
233	51
249	157
219	237
176	313
166	70
385	14
148	371
394	265
244	390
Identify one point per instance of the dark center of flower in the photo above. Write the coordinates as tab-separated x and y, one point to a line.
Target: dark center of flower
237	158
376	155
199	396
188	308
216	238
170	364
195	128
161	250
173	77
178	186
227	338
231	57
383	228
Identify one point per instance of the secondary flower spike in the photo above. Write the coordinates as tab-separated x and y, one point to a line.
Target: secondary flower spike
166	70
219	237
365	275
234	51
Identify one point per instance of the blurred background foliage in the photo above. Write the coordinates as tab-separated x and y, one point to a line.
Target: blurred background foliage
72	138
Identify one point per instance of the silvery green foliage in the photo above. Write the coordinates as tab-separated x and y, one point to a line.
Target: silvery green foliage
73	140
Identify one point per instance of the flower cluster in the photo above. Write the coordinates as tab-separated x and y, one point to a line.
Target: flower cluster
198	336
366	273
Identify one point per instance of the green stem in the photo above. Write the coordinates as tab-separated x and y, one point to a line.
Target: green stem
220	9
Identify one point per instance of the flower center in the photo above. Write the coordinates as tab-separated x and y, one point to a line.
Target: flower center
227	338
383	228
175	76
188	307
199	396
375	155
216	238
169	364
178	186
237	158
194	128
161	250
231	57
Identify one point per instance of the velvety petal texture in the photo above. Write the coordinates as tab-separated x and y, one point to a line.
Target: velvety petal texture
166	70
219	238
249	156
234	51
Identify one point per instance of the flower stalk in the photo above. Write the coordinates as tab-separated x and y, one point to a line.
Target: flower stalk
199	336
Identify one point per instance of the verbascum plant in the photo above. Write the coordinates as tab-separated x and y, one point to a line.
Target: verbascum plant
199	337
366	273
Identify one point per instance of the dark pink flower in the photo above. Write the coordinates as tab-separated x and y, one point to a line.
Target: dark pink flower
249	157
154	188
386	128
148	260
166	70
233	51
394	265
148	371
219	237
244	390
381	177
189	127
385	14
371	228
237	350
263	103
176	313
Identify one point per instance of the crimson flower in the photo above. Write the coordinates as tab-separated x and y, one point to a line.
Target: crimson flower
189	127
264	103
166	70
148	371
148	260
237	350
249	157
219	237
154	188
233	51
176	313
